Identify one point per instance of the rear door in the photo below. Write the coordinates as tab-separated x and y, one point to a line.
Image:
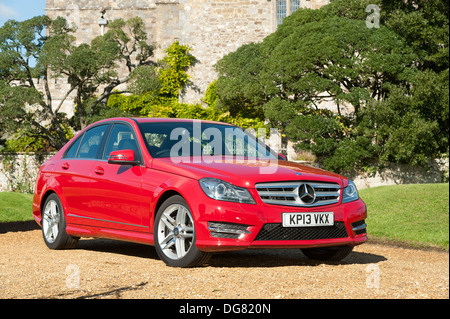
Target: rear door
74	172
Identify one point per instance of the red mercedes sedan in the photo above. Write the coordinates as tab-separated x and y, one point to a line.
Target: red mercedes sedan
191	188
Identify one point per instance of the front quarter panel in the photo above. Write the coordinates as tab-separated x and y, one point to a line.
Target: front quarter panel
157	184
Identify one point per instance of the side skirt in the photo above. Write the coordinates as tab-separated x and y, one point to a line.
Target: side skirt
109	233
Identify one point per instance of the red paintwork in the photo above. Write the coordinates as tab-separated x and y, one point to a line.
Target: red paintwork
98	194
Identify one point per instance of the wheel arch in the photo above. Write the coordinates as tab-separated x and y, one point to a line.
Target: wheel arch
44	198
171	187
165	196
49	192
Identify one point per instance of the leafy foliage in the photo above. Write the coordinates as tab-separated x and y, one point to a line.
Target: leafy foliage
149	106
20	43
92	72
238	87
160	97
173	75
354	96
41	49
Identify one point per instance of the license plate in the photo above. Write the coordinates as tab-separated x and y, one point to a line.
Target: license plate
308	219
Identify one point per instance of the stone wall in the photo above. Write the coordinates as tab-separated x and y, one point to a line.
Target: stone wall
397	174
18	173
216	28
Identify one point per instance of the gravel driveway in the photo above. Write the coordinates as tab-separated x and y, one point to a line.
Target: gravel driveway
111	269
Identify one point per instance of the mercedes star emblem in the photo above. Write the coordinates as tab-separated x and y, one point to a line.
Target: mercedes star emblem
307	193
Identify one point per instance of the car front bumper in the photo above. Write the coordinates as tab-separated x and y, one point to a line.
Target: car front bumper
226	226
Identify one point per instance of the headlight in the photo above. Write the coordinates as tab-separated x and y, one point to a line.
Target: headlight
220	190
350	193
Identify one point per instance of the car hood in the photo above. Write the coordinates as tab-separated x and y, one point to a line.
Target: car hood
245	173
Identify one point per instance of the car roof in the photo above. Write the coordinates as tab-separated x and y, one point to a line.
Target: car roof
160	119
147	119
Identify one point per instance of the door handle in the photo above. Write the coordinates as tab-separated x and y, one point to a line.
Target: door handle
65	165
99	170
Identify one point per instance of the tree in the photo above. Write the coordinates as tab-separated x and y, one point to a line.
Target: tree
91	70
93	67
20	44
239	89
423	25
390	92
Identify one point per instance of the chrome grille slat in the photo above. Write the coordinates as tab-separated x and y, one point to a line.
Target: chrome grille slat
277	194
287	193
322	194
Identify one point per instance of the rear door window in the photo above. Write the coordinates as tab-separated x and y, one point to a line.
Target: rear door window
88	145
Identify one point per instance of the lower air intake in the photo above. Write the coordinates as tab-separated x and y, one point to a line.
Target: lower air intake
278	232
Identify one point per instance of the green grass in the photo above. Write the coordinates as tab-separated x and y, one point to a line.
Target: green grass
417	215
15	207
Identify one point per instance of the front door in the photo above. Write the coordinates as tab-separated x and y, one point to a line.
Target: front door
116	196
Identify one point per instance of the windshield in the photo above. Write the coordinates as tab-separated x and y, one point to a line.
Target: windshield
179	139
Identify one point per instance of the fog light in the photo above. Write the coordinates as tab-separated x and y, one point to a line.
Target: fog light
228	230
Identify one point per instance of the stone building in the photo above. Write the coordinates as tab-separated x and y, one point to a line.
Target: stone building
213	28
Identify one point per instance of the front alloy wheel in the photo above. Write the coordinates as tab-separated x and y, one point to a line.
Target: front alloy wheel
175	235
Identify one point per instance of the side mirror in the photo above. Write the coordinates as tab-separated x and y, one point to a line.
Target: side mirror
282	157
122	157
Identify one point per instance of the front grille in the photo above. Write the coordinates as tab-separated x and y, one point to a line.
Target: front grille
278	232
292	193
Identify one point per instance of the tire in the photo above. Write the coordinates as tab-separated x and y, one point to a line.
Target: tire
328	254
174	235
54	225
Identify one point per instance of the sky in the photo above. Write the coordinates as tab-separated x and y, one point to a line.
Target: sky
20	10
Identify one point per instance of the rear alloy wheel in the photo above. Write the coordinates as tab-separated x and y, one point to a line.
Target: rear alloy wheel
328	254
174	235
54	225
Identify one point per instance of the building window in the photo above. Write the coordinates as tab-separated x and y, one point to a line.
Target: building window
285	8
281	11
295	4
